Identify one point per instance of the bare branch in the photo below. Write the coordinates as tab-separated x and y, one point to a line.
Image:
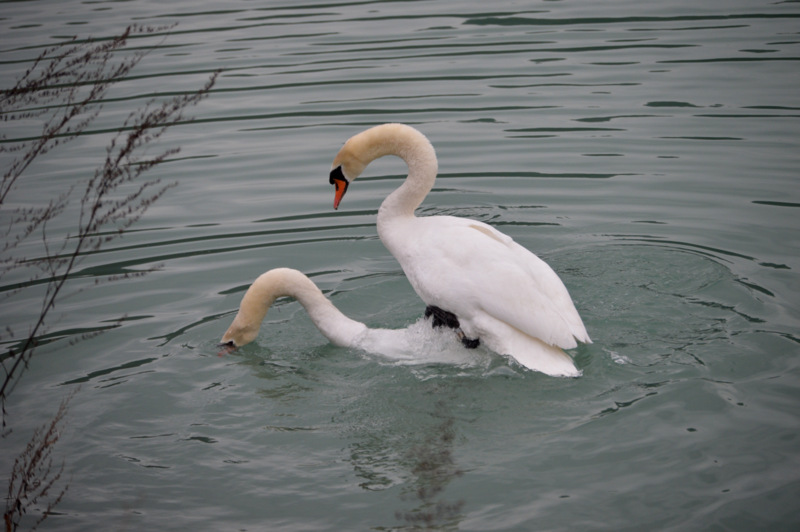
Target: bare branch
61	94
63	89
35	475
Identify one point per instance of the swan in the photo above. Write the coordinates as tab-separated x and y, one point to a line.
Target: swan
398	344
471	276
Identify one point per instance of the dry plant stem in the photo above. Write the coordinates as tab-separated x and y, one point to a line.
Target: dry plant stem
64	90
34	475
106	209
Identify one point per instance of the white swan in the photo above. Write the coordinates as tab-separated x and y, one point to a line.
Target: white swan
398	344
282	282
472	277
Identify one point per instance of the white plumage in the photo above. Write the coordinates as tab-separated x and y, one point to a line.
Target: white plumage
501	293
414	344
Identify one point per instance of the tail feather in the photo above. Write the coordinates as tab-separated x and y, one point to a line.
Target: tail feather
530	352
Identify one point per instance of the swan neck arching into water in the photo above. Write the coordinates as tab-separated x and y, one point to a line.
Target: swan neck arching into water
396	344
285	282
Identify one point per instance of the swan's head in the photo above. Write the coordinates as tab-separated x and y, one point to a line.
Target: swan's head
237	335
253	308
347	165
340	184
365	147
241	332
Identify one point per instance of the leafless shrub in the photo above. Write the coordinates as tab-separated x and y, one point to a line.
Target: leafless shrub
35	477
59	96
64	90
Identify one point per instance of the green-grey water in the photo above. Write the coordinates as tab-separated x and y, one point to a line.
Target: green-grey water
647	151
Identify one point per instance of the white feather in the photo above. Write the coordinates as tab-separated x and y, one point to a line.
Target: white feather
501	293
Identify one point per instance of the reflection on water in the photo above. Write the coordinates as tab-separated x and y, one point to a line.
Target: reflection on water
434	466
647	152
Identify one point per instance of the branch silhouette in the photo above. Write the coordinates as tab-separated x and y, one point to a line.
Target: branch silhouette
60	96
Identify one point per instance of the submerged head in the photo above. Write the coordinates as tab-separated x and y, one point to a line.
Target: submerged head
254	306
242	331
238	334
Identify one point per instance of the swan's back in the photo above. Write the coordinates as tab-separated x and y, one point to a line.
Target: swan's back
471	269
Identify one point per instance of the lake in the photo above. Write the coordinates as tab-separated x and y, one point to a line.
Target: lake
648	152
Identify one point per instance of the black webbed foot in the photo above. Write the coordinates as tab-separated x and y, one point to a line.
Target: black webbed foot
442	318
470	343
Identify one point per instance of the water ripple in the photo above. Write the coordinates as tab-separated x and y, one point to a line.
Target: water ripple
645	150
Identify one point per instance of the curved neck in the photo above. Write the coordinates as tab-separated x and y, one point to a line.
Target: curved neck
285	282
417	152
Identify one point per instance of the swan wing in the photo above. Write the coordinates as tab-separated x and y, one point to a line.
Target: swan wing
472	270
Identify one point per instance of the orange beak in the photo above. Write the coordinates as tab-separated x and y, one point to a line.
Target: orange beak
341	187
339	181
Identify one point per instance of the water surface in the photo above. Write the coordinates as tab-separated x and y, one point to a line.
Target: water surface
647	152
